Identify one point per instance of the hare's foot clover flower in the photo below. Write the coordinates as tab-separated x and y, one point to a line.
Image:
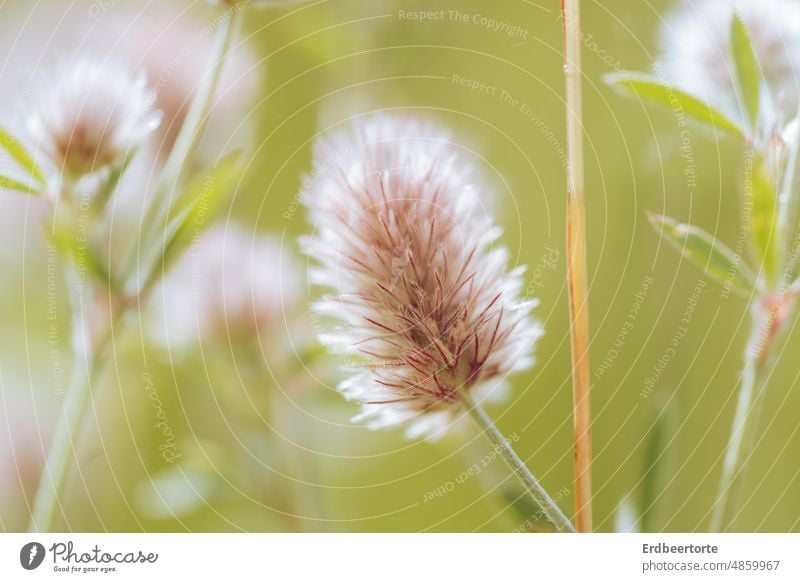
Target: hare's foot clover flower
420	290
89	114
89	120
426	308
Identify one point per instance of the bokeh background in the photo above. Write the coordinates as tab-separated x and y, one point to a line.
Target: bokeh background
661	415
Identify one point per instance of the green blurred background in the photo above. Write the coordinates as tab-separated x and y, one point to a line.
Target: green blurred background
657	452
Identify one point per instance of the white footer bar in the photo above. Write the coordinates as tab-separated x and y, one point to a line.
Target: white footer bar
400	557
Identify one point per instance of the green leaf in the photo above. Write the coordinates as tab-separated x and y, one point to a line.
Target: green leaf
747	72
706	252
108	186
12	184
652	90
659	461
21	155
70	241
763	224
200	200
97	267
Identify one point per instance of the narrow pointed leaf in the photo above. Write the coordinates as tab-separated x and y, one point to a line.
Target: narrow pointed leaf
110	183
652	90
760	190
21	155
96	265
12	184
201	198
660	463
747	73
706	252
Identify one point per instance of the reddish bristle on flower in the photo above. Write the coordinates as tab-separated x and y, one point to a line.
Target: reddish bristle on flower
424	303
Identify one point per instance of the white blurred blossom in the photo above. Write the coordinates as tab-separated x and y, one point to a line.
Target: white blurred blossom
175	49
229	286
90	113
696	55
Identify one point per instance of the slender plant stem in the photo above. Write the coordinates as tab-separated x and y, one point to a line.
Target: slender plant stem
88	353
576	269
492	483
78	396
765	328
746	419
786	215
189	136
503	447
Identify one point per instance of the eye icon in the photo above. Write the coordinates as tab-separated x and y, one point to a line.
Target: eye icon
31	555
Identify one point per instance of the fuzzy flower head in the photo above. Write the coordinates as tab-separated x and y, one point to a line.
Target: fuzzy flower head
90	114
424	303
697	56
229	286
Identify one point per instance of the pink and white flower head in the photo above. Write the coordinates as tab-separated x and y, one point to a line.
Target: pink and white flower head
229	286
90	113
696	49
425	305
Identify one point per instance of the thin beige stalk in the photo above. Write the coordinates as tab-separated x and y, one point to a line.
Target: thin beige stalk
576	268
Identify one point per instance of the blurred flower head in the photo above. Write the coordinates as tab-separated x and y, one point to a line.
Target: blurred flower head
696	49
424	302
91	113
229	286
174	48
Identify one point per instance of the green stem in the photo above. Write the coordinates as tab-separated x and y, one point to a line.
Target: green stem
745	422
532	486
187	140
787	203
79	394
494	482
